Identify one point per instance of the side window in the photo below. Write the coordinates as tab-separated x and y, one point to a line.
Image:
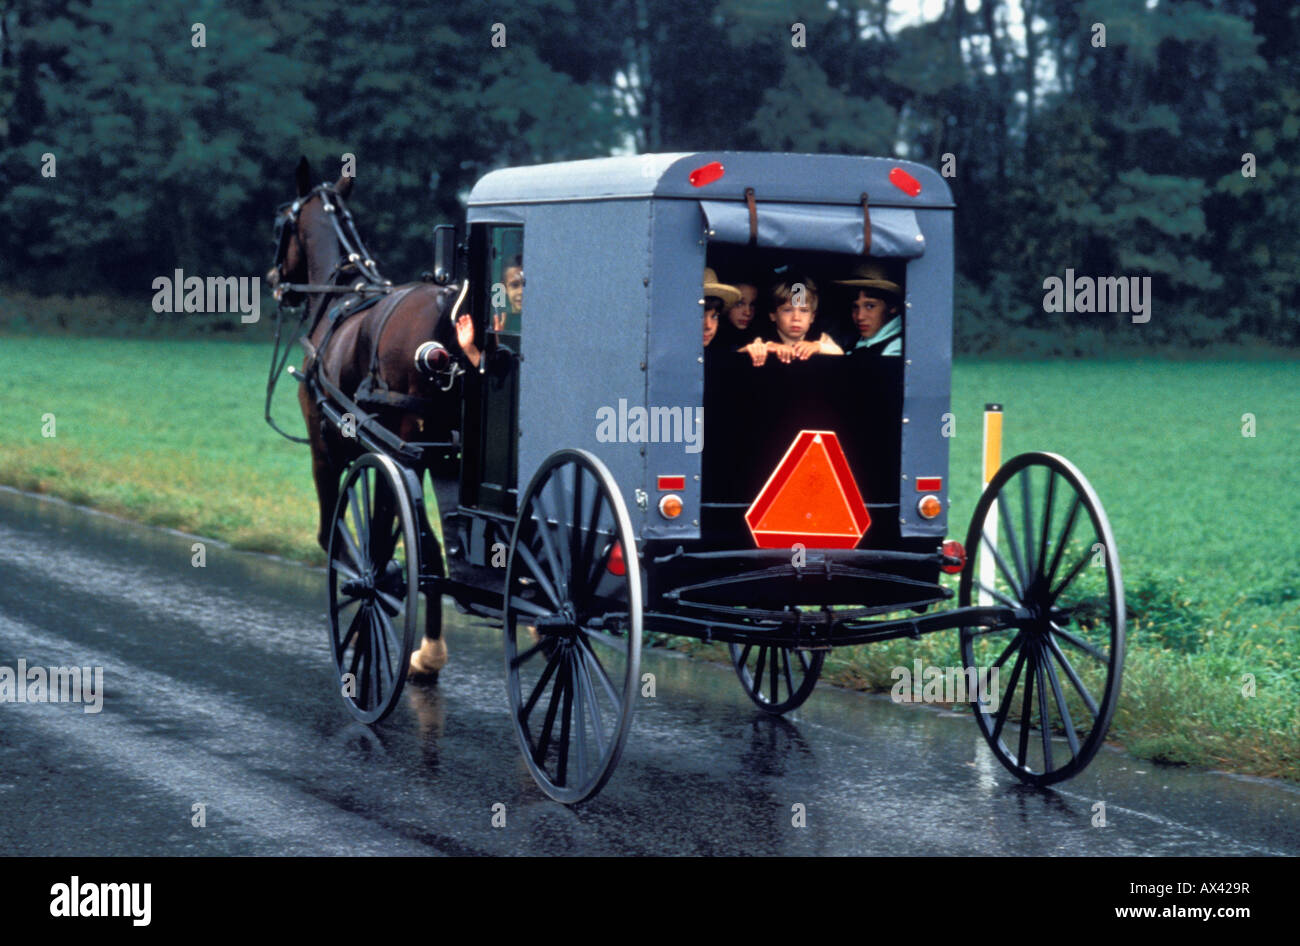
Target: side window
503	281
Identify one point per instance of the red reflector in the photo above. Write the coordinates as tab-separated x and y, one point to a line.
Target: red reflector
905	182
617	565
707	173
954	549
811	498
929	484
671	482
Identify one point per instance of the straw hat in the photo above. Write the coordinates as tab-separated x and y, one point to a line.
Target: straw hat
872	275
728	294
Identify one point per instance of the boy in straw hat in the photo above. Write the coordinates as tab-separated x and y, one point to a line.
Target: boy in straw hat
718	297
876	310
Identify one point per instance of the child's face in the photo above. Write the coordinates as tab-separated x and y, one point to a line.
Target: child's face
710	325
870	313
514	280
793	322
742	313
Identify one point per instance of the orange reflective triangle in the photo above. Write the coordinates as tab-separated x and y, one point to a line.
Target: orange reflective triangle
810	498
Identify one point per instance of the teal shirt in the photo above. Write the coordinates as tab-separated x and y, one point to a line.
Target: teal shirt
889	340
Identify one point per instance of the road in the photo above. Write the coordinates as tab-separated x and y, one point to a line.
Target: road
218	692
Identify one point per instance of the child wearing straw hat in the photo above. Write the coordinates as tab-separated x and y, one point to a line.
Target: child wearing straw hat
718	297
876	310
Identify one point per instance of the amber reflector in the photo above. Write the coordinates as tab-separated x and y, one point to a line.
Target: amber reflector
929	506
670	507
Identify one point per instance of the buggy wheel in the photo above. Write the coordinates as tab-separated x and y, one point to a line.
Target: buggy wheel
777	679
1039	542
572	625
374	572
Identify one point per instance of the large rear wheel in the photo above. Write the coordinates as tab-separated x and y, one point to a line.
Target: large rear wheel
572	625
1039	542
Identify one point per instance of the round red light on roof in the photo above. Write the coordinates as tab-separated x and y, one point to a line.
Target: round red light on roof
905	182
707	173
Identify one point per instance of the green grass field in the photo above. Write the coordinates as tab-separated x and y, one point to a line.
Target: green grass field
1205	518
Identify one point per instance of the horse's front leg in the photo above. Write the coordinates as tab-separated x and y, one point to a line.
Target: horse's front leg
431	656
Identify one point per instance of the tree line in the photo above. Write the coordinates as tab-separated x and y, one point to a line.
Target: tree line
1112	138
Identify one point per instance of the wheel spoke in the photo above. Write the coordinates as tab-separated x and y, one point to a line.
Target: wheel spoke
1064	710
598	566
1005	517
544	742
1026	710
539	575
1090	649
521	658
609	640
352	629
803	661
1073	574
357	523
758	674
1066	531
1027	513
353	550
589	538
562	769
1002	565
579	715
1009	602
556	551
593	705
601	672
551	663
785	666
385	629
373	661
1047	518
393	604
1015	643
1004	704
530	608
1043	719
1070	672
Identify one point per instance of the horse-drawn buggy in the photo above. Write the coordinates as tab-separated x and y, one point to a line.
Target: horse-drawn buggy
597	466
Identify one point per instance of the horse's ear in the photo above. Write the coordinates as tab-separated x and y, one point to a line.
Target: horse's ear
344	186
302	176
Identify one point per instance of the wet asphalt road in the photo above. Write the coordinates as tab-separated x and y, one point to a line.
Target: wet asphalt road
219	691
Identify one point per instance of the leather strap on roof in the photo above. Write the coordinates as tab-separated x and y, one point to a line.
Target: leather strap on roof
866	226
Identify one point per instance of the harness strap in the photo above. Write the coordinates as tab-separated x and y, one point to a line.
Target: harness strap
753	216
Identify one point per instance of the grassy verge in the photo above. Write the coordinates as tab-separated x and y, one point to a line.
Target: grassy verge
171	433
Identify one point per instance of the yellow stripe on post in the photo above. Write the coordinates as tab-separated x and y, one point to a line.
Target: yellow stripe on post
992	440
992	460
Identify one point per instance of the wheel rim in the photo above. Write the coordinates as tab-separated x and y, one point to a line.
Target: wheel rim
572	629
1051	554
777	679
373	587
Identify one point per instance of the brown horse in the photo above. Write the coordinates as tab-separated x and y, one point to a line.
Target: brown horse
318	250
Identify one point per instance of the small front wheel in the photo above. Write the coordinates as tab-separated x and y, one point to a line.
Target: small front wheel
374	572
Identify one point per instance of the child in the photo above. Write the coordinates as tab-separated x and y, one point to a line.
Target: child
876	311
793	309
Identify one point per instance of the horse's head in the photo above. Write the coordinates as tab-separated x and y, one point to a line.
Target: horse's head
307	241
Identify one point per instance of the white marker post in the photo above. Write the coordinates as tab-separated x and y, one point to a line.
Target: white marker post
992	460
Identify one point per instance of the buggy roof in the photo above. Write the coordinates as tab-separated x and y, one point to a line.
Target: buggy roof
789	178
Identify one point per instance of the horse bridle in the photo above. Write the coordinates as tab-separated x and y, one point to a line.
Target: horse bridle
355	255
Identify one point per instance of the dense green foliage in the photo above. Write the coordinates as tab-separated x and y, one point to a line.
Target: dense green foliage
1122	159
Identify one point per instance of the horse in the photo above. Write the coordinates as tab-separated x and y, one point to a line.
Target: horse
385	346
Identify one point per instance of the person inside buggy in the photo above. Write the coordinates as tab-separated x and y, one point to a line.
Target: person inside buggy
755	404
